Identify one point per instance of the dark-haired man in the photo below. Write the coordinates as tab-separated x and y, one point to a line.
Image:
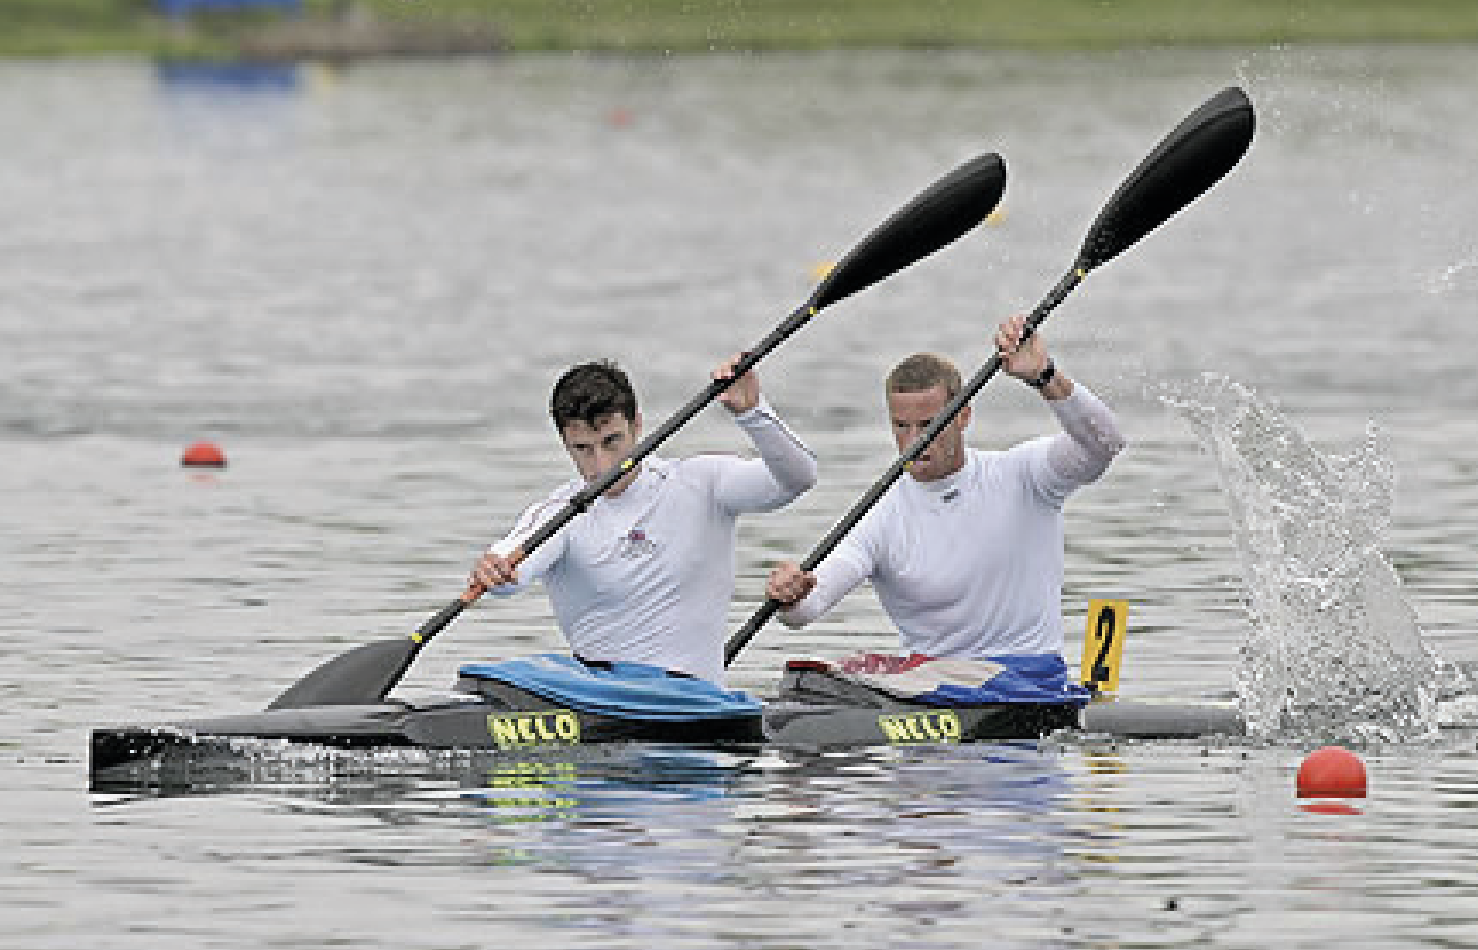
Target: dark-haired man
646	574
966	554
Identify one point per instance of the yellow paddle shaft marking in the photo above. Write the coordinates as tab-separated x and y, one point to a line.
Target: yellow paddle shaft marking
1103	644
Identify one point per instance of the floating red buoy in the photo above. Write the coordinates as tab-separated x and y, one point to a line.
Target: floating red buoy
204	455
1331	772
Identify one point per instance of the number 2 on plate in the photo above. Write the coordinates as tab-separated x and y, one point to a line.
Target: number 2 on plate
1103	644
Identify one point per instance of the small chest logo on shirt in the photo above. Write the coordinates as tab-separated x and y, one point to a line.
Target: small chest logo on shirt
950	495
636	544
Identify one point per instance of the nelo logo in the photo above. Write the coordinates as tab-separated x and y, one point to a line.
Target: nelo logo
516	730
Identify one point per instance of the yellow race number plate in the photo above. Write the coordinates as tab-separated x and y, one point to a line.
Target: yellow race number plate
1103	644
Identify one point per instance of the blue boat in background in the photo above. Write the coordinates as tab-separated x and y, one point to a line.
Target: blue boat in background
182	8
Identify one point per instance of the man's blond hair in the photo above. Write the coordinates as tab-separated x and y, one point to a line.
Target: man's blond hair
924	371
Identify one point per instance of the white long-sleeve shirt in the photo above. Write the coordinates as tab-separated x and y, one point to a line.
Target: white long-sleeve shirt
971	565
647	576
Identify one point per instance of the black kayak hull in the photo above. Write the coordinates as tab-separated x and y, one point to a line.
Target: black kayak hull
818	707
449	723
480	722
840	726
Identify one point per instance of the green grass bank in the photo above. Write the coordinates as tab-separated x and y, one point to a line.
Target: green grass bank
431	27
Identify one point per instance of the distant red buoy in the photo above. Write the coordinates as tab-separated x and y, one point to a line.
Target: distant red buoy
1331	772
204	455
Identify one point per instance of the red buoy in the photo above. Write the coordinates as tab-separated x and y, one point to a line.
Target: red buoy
1331	772
204	455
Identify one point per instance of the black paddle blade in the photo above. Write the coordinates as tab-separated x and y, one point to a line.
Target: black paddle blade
363	675
1194	156
936	217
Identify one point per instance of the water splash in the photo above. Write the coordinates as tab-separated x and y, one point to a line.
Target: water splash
1451	278
1335	653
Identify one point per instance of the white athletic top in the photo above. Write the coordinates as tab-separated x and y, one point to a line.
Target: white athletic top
647	576
971	565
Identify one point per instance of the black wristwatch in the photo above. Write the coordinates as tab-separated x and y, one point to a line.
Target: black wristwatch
1045	376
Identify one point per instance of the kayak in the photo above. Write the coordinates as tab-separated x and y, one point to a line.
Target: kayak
814	709
817	706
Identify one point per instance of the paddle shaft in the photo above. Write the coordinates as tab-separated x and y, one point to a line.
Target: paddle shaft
937	216
586	496
826	545
1196	154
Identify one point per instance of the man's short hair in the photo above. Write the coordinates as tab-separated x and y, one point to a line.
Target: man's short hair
924	371
589	391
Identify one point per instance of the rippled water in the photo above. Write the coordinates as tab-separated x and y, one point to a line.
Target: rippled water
362	285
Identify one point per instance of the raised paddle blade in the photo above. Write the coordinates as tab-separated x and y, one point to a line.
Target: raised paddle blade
362	675
935	218
1206	145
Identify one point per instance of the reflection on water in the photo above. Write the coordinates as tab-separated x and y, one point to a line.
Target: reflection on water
214	79
1067	846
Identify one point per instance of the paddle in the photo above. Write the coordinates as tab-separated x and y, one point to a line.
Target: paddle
1194	156
936	217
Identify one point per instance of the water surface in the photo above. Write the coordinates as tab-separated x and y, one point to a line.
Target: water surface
362	286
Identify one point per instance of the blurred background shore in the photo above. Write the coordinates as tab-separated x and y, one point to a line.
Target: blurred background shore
275	30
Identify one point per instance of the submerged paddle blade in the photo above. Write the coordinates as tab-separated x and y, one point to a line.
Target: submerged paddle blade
1194	156
936	217
363	675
